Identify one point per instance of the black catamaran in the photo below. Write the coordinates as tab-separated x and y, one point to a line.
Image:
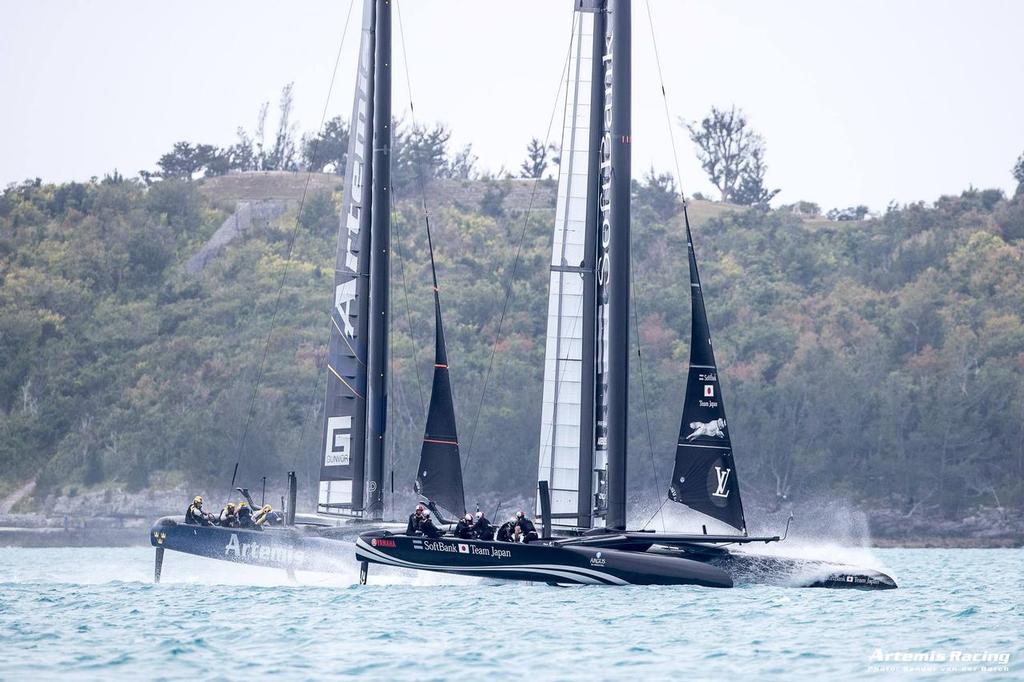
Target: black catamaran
582	462
351	490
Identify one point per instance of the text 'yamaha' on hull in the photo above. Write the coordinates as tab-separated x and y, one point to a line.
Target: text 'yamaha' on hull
539	561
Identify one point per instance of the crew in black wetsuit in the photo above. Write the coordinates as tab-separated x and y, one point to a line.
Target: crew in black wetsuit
427	527
482	528
527	532
228	516
195	514
245	517
464	529
505	532
415	519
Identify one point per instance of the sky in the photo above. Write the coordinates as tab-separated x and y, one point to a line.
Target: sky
858	102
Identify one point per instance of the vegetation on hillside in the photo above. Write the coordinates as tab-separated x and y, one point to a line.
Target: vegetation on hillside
880	360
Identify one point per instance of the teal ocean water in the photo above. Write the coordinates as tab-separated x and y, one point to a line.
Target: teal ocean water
94	614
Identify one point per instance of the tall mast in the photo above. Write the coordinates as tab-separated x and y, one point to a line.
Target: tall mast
588	408
618	215
380	248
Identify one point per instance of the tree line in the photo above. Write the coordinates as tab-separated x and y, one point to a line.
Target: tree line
881	359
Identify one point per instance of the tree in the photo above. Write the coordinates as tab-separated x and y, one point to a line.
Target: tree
185	160
536	160
1018	175
752	191
658	191
418	154
326	151
732	155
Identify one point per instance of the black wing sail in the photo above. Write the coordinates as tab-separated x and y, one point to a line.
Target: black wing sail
704	477
342	465
439	476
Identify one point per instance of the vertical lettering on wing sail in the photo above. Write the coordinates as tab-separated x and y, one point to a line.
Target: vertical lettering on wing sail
344	430
704	476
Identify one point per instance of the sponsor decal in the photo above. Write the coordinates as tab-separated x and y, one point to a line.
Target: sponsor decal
263	552
383	542
597	560
461	548
709	390
712	429
939	661
339	441
723	481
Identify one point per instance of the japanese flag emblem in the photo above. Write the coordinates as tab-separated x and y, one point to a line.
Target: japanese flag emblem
709	390
463	548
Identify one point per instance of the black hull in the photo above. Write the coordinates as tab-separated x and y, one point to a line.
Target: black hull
537	562
632	563
293	548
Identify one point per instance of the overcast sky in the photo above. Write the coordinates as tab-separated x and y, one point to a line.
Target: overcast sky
859	102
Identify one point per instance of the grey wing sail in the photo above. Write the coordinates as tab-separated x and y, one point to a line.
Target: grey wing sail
343	460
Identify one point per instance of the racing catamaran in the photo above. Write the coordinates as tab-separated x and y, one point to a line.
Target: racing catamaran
582	462
351	489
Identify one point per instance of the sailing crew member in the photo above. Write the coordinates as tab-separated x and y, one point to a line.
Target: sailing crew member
229	516
506	532
262	514
525	530
415	519
482	528
464	529
195	514
427	526
245	516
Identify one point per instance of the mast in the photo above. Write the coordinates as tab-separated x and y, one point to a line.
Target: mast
380	248
615	224
342	471
589	341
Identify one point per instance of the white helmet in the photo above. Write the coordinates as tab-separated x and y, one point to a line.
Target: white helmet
426	513
468	517
479	515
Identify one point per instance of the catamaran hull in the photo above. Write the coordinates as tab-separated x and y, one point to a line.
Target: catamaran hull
538	562
298	548
784	571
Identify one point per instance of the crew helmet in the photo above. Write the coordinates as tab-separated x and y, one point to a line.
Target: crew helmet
468	517
198	500
519	514
420	509
479	515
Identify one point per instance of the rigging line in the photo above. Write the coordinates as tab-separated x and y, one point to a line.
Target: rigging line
408	308
635	295
664	98
519	248
423	202
288	257
302	430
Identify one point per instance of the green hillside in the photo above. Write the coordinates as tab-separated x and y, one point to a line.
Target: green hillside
880	360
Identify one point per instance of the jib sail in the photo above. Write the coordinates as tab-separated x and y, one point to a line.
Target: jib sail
343	463
439	476
704	477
